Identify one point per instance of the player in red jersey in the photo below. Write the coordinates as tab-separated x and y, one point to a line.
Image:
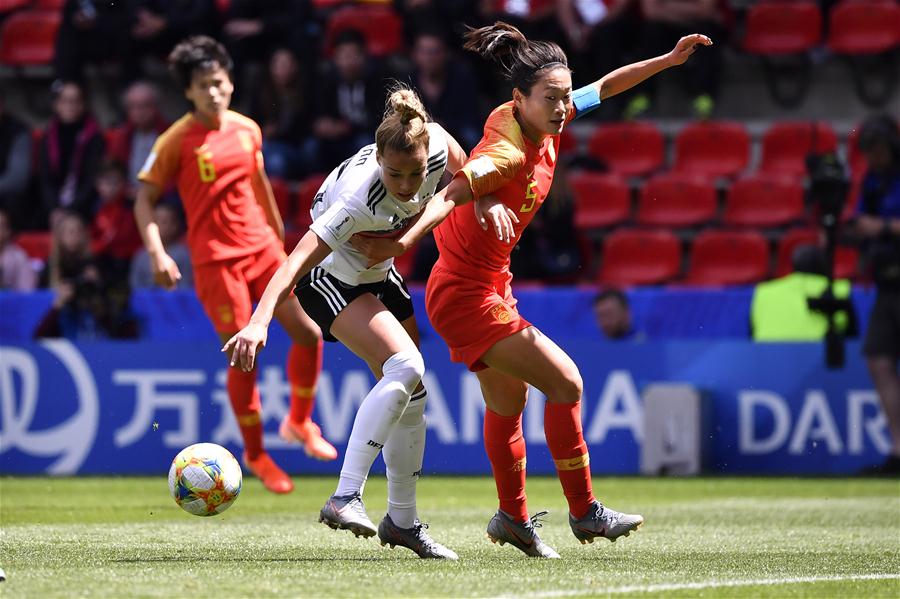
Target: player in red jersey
469	298
235	236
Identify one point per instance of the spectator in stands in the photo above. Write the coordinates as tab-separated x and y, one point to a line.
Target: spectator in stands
16	273
665	21
350	102
70	155
83	308
445	87
157	25
130	143
15	162
600	33
114	233
878	224
445	16
252	28
171	230
613	314
780	312
282	107
91	31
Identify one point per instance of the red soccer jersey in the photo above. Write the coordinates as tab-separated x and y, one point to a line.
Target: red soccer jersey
515	170
212	170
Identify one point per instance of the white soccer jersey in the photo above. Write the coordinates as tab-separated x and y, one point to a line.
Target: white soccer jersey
353	199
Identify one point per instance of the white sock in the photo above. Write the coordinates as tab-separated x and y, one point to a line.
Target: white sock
403	455
377	416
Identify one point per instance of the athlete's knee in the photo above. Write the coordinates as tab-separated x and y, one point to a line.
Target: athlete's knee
407	367
567	388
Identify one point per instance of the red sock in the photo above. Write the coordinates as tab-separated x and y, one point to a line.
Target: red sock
303	365
505	447
245	402
562	427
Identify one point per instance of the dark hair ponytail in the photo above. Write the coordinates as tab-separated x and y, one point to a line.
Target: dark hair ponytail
520	60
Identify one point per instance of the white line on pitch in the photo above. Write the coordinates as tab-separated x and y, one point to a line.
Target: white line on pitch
696	586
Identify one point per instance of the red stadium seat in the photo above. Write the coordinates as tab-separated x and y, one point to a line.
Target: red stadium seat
36	244
763	201
778	28
634	257
28	38
568	143
728	258
714	149
790	241
673	200
7	6
629	149
305	195
785	146
864	27
380	25
50	4
601	200
283	198
846	262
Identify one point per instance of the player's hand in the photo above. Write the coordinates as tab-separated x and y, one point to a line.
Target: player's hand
492	212
165	271
687	46
243	347
377	249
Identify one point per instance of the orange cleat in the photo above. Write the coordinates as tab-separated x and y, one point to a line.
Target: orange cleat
308	434
273	478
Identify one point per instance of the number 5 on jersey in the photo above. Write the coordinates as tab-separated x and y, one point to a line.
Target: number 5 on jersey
205	164
531	194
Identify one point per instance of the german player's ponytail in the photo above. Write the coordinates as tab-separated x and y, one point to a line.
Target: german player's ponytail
521	61
403	128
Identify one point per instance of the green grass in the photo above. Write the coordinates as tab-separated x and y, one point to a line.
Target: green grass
124	537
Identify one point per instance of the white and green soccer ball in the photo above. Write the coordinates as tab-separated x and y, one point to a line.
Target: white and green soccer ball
205	479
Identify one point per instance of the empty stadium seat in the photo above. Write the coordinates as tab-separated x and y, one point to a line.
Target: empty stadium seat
380	25
282	193
634	257
790	241
846	262
728	258
786	145
629	149
305	195
673	200
7	6
712	149
601	199
763	201
36	244
864	27
777	28
28	38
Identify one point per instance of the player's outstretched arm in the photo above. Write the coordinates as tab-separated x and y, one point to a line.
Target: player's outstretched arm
165	270
244	346
626	77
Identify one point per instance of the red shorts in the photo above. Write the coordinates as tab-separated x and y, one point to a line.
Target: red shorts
471	315
228	288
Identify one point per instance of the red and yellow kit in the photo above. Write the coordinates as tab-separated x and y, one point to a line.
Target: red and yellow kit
468	298
229	238
212	169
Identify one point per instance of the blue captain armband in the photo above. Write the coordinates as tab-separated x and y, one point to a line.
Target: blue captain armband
585	100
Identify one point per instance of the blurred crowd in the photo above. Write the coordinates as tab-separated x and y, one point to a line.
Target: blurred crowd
317	92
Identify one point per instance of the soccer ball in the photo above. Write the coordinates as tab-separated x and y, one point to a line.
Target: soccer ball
205	479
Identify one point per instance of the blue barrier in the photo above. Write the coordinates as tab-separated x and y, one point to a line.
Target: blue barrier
561	312
129	407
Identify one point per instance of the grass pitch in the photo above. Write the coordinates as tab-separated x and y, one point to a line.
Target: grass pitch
124	537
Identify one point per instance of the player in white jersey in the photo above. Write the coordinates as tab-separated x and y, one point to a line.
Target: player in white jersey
378	192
